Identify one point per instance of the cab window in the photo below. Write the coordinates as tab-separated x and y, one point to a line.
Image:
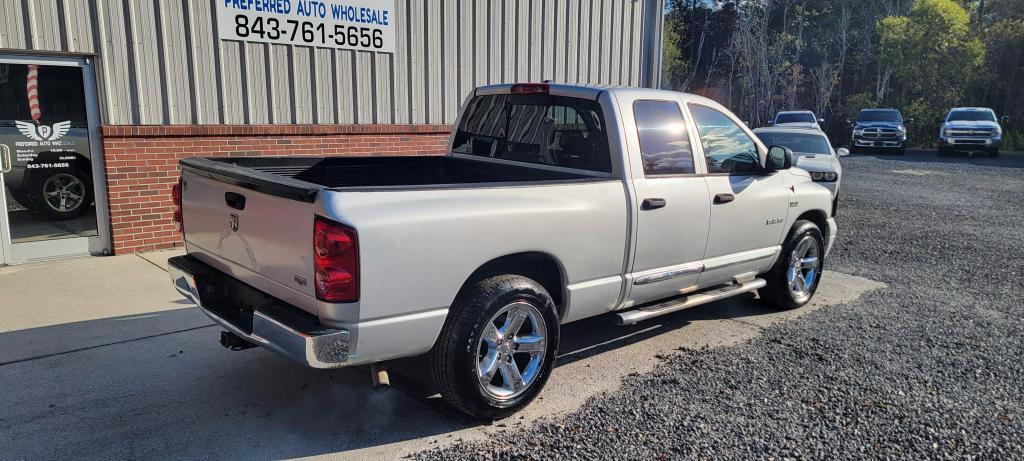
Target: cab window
664	143
727	148
540	129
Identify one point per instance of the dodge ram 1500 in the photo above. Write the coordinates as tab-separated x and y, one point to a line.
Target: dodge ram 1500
554	203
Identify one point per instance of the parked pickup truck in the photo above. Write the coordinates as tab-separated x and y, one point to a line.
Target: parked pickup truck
554	203
971	129
880	129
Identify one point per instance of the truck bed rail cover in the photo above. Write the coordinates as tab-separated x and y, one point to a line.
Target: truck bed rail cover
272	184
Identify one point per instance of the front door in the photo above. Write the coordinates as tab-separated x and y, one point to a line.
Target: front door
748	207
51	173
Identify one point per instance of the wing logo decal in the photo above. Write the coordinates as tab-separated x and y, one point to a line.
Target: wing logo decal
40	133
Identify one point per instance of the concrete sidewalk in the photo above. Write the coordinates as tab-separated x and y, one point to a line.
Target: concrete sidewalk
101	358
88	302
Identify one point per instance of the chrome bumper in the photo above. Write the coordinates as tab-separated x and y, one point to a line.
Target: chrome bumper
322	348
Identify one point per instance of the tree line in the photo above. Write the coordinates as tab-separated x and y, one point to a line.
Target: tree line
836	57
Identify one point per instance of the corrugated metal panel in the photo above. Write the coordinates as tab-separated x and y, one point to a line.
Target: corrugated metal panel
160	61
12	24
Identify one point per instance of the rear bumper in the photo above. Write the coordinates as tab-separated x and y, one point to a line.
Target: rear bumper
258	317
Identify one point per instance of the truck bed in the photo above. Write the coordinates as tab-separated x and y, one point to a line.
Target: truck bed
303	177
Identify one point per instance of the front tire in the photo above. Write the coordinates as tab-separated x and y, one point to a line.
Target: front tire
794	278
497	348
993	153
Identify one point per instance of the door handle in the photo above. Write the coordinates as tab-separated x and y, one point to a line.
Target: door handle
653	203
724	198
236	201
5	159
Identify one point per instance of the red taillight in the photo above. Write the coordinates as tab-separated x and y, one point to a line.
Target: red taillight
336	261
176	196
530	88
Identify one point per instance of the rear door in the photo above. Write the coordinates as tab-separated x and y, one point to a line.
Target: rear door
748	207
671	199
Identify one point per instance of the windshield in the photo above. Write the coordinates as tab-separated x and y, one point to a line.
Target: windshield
795	117
800	143
879	116
541	129
971	116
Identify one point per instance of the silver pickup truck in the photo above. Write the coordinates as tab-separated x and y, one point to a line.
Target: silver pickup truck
554	203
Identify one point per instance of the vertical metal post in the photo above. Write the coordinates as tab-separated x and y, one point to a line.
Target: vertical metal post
650	66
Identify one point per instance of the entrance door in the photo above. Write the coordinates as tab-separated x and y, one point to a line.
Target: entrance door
52	197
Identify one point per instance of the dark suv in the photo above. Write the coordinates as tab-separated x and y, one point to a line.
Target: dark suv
879	130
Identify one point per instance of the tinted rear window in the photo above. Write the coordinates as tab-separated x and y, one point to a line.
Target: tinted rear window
539	129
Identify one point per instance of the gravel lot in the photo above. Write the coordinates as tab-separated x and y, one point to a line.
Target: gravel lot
931	367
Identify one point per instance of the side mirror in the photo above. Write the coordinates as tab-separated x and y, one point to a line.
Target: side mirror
770	123
842	152
821	121
1004	119
908	121
849	122
778	158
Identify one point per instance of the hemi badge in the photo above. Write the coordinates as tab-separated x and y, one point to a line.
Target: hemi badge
793	204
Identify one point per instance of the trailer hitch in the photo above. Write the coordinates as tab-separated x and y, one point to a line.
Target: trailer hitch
232	341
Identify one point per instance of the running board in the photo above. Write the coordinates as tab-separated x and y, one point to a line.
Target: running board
677	304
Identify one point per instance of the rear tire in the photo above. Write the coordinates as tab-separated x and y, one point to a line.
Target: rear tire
993	153
480	338
794	278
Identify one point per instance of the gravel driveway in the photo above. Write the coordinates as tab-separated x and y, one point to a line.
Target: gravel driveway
931	367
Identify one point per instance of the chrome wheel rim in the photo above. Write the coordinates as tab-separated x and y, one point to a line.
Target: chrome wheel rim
804	268
511	350
64	192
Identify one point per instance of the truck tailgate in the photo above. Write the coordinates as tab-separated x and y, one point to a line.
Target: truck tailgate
268	236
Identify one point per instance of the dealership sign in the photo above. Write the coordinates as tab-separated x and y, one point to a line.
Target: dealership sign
367	25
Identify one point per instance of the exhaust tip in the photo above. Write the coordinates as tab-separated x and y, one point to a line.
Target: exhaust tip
380	378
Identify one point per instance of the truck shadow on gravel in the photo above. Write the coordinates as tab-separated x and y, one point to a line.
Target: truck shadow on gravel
588	339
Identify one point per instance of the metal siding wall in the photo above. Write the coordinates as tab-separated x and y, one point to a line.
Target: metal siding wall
12	25
160	62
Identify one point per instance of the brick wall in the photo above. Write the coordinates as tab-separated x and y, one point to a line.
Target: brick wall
142	163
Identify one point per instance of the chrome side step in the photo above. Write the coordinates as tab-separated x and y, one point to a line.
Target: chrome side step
677	304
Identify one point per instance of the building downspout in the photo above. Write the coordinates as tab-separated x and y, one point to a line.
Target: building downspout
650	70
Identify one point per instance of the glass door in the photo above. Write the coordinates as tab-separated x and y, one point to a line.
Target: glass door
53	196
